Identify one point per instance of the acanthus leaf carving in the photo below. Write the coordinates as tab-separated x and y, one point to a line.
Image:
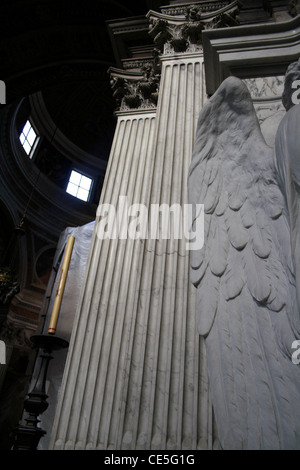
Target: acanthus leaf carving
184	33
136	90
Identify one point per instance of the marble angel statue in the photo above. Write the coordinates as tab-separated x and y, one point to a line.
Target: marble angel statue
248	272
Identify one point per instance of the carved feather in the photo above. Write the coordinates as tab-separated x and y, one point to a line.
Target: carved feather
247	214
233	280
208	302
236	196
238	235
219	248
260	236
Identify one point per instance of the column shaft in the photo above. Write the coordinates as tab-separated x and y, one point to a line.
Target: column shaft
136	371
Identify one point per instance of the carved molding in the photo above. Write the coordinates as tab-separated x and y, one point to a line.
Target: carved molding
183	33
250	51
205	7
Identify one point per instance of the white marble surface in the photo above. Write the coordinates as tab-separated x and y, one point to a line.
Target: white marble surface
266	94
246	273
136	373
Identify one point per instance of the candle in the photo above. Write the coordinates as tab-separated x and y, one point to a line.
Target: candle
61	286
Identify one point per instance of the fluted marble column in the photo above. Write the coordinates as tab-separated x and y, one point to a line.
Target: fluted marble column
136	371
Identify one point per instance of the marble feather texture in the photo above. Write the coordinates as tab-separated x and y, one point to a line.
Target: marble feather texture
246	272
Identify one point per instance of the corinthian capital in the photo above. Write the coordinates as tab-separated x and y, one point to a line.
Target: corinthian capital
135	89
179	30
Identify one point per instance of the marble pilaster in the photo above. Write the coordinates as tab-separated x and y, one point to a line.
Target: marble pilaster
136	375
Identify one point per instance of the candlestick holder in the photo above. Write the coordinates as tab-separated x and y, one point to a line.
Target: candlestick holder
28	434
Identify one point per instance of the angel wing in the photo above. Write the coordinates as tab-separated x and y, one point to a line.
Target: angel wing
245	277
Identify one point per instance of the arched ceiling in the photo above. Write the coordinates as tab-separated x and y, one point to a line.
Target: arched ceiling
61	50
55	56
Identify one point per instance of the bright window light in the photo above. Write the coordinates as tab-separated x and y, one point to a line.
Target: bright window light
79	185
28	139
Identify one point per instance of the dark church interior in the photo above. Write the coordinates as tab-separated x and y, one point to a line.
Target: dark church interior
55	62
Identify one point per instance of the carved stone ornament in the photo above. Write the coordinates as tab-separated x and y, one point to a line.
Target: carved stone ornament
247	272
182	33
8	286
136	90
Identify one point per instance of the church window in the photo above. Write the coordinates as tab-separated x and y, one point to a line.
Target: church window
79	185
29	138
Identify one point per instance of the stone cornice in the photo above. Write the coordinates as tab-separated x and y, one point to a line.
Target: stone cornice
194	12
250	51
183	33
180	9
121	30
